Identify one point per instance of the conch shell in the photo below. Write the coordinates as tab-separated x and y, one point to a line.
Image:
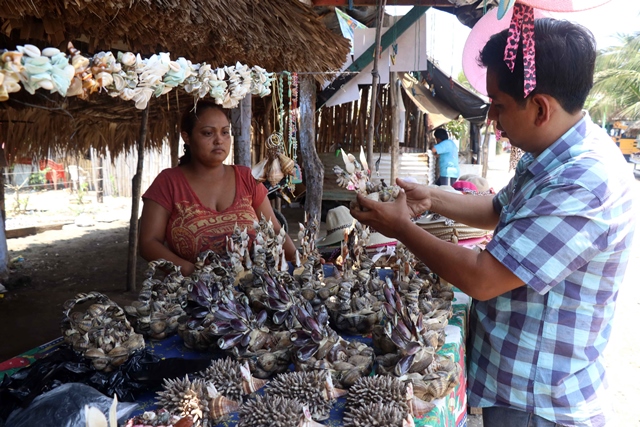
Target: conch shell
275	174
258	171
287	165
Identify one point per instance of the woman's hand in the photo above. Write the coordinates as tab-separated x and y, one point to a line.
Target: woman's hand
418	197
389	218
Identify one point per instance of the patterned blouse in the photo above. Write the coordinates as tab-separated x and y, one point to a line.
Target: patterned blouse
192	227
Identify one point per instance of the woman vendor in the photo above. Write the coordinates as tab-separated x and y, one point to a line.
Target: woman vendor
196	205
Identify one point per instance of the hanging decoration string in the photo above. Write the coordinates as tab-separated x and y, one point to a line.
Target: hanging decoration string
521	29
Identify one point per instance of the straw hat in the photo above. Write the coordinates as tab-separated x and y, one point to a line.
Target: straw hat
340	219
481	183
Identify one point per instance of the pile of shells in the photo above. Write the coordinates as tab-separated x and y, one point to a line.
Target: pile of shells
318	347
196	399
102	333
158	418
275	411
210	282
408	345
160	303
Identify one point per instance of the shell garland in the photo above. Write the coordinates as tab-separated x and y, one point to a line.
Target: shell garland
126	76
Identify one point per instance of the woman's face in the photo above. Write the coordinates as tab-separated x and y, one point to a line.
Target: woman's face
210	140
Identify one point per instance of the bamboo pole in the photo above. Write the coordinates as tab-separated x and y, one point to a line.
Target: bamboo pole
395	125
313	166
374	83
136	184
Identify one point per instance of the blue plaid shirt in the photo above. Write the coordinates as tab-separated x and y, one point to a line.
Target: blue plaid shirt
566	225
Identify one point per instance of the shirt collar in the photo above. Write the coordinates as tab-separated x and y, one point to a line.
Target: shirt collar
558	152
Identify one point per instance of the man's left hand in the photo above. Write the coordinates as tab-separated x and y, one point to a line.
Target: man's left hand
387	218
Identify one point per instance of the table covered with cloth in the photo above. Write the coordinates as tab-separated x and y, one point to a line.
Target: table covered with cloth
450	411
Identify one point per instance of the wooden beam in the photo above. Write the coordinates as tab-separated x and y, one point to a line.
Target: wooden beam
366	58
241	129
430	3
313	169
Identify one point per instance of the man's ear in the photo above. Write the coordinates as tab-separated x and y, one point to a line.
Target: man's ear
185	137
543	109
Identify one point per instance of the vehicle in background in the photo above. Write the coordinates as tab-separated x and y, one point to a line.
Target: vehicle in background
626	135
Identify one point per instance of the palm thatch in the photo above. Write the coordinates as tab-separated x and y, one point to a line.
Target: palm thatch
276	34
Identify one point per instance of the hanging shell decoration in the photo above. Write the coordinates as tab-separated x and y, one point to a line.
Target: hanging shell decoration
102	333
160	303
275	166
314	389
232	379
196	399
127	76
356	176
275	411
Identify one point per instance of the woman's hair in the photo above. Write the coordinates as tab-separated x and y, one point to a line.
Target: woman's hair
565	60
189	119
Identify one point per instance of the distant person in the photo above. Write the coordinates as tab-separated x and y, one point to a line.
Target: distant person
447	152
194	206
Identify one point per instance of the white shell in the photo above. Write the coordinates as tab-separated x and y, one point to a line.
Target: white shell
128	59
30	50
104	79
50	51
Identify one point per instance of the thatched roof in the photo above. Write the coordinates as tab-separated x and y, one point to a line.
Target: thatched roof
276	34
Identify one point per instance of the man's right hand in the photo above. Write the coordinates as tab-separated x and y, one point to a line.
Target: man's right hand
418	196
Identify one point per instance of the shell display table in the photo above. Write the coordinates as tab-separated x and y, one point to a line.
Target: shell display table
450	411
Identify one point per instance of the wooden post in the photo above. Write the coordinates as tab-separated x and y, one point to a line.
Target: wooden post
136	184
100	188
395	126
174	142
374	84
241	129
313	168
485	151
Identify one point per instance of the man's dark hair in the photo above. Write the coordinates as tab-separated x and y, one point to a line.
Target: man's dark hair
440	134
565	61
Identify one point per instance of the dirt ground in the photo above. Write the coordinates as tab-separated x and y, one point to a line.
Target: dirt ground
90	253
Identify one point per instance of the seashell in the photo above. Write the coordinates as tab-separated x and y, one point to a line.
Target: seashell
128	59
313	389
274	411
275	174
11	56
30	50
104	79
258	171
79	62
50	51
379	414
287	165
220	407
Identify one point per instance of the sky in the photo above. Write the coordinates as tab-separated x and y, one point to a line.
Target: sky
449	35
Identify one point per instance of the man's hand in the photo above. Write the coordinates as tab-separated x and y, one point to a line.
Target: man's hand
418	197
388	218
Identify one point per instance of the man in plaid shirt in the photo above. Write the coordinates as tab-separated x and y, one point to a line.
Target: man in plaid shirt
546	286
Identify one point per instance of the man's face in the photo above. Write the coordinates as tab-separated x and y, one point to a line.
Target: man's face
513	119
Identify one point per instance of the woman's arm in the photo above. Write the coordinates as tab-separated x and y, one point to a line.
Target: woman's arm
266	210
153	225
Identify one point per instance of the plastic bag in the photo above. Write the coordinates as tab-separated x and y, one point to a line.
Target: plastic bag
64	407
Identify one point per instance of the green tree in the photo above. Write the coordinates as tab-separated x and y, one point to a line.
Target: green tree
616	90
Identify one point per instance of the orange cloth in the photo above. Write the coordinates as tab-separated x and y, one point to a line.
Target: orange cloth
193	228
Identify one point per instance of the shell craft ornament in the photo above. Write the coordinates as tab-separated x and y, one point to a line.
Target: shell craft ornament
314	389
232	379
196	399
275	411
158	418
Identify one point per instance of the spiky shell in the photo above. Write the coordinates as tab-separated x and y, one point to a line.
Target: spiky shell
313	389
226	374
375	414
196	399
387	389
271	411
184	397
